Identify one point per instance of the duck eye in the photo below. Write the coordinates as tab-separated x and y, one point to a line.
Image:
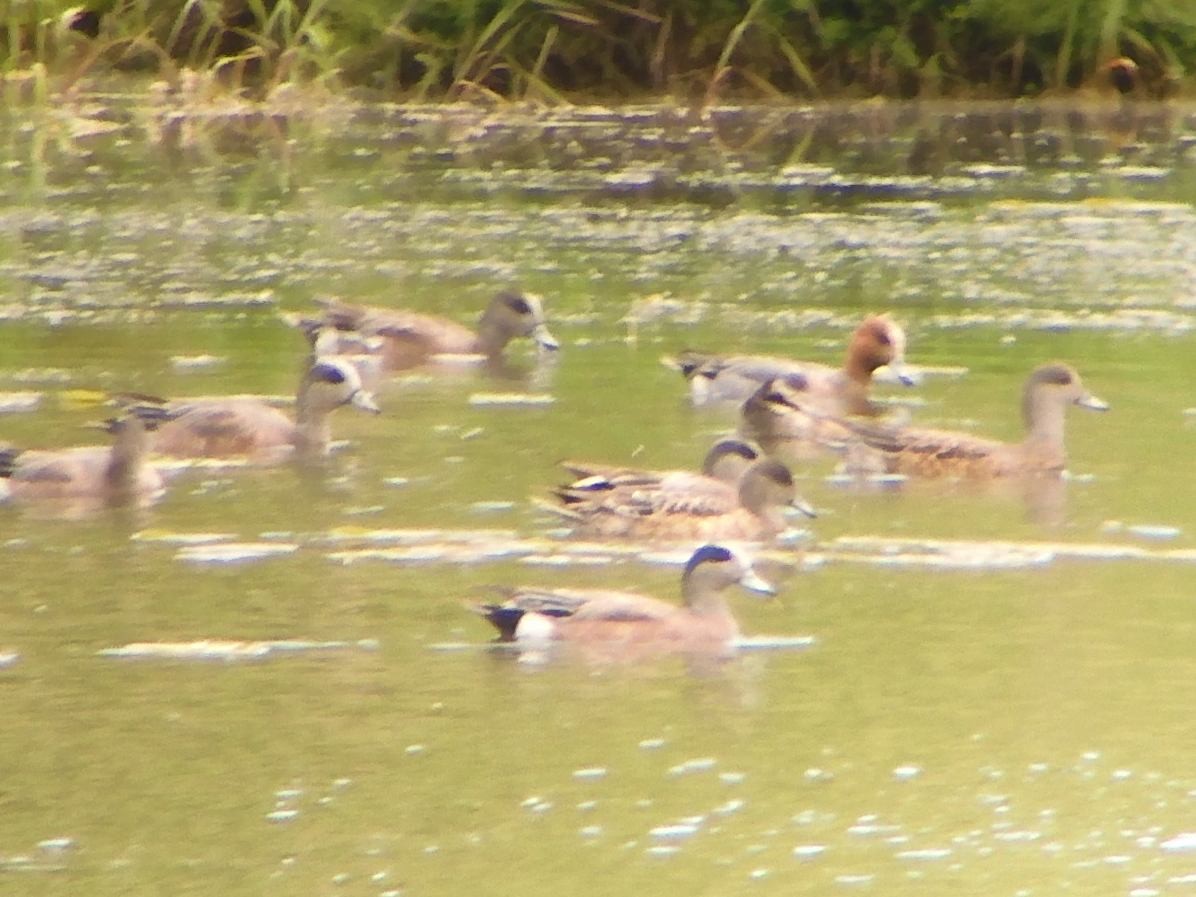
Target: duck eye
1059	376
519	305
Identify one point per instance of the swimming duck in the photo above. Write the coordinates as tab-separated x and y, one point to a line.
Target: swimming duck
112	475
877	342
786	423
221	428
673	491
703	622
363	352
1122	74
1049	391
765	491
410	339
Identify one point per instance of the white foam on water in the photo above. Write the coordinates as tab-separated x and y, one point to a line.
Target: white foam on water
224	554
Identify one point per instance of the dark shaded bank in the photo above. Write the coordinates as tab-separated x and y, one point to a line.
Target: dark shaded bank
554	49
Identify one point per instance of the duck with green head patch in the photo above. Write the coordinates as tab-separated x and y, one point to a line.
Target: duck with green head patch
249	427
627	620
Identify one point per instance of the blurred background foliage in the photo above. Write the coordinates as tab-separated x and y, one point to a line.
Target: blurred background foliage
554	50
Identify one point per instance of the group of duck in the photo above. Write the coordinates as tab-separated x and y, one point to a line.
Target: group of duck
789	410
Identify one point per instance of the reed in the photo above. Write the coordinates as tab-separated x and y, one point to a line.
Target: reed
559	50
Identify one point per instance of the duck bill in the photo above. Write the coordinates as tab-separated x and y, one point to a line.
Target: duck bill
544	339
803	507
904	374
1092	403
365	401
753	582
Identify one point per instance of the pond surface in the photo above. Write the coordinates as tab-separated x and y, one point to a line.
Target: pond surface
992	697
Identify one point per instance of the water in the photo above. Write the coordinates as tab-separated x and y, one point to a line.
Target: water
996	696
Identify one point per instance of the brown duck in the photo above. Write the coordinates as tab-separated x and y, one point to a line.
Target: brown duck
409	339
877	342
765	491
249	427
1050	390
783	419
672	491
630	621
116	474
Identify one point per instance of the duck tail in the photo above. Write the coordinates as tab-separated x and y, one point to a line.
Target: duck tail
559	510
502	617
8	460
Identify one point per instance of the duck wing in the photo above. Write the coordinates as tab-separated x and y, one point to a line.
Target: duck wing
224	427
933	452
47	469
589	604
679	493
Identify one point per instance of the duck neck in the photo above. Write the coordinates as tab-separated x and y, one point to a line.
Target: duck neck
859	365
127	457
1044	426
728	468
754	497
312	429
492	337
705	601
755	417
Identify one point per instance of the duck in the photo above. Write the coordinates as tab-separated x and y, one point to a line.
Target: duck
249	427
781	418
878	341
615	619
409	339
363	352
101	475
765	491
1049	391
715	488
1122	74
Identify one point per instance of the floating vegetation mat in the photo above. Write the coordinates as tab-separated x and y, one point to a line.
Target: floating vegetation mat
881	549
168	537
227	553
743	643
510	399
18	402
477	546
216	649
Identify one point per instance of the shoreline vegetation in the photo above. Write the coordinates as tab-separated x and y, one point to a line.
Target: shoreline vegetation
558	52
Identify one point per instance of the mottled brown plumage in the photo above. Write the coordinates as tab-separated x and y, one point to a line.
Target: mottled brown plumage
1048	392
408	339
783	419
765	491
715	488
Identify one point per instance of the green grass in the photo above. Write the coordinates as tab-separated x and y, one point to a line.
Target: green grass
566	50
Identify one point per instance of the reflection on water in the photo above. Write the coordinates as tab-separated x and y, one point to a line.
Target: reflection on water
988	686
